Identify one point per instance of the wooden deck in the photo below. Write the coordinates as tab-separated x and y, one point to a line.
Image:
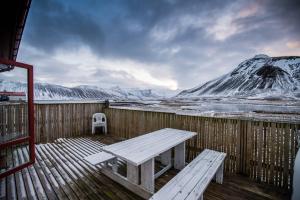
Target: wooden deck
61	173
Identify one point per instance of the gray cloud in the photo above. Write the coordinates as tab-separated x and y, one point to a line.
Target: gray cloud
194	40
51	25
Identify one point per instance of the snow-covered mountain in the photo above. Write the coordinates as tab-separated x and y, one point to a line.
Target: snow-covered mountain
44	91
127	93
259	77
134	93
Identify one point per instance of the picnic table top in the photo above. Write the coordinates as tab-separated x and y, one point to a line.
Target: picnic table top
142	148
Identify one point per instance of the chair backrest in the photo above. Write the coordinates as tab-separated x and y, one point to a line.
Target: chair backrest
99	117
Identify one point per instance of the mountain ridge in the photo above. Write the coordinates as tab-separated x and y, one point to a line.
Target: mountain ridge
258	77
46	91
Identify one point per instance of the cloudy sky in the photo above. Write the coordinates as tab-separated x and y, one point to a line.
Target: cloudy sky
172	44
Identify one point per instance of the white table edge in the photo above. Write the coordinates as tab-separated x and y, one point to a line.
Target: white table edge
143	161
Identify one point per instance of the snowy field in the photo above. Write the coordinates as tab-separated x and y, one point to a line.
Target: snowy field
268	110
273	110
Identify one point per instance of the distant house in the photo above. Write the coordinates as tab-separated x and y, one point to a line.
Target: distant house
12	96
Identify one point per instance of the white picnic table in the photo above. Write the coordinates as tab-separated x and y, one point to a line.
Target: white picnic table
140	153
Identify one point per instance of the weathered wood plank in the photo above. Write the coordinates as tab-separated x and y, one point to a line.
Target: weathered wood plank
10	180
98	158
39	190
179	156
42	182
67	177
55	181
28	182
166	157
147	175
101	182
194	178
133	173
140	149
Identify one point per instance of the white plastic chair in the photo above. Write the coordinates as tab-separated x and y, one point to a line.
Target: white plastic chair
99	120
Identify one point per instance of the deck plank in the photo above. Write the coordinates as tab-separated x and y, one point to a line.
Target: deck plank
39	189
40	176
94	173
66	177
2	188
60	169
61	187
48	180
21	191
31	194
88	183
10	180
76	177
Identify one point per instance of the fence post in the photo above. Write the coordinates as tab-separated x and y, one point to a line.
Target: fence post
242	162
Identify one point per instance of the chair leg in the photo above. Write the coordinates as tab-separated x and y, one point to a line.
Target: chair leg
93	129
105	129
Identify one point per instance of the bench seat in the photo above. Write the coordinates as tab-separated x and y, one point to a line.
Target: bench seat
191	182
99	158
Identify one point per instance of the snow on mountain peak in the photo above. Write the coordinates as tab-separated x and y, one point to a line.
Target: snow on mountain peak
261	56
261	76
45	91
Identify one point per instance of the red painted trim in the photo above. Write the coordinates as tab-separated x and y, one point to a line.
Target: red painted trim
31	113
14	142
20	29
18	94
14	170
14	63
30	137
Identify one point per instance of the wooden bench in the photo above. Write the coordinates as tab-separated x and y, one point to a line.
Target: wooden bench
191	182
98	158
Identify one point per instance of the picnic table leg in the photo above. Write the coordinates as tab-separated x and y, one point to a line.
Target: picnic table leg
201	197
114	164
147	175
165	157
219	174
179	156
133	173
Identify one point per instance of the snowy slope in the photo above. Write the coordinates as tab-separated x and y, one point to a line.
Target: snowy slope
127	93
57	92
134	93
259	77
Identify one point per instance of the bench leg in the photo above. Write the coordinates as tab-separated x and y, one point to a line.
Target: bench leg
201	197
179	156
219	174
133	173
147	175
114	164
165	157
104	164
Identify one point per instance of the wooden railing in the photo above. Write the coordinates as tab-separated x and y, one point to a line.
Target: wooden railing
13	121
60	120
52	121
264	151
